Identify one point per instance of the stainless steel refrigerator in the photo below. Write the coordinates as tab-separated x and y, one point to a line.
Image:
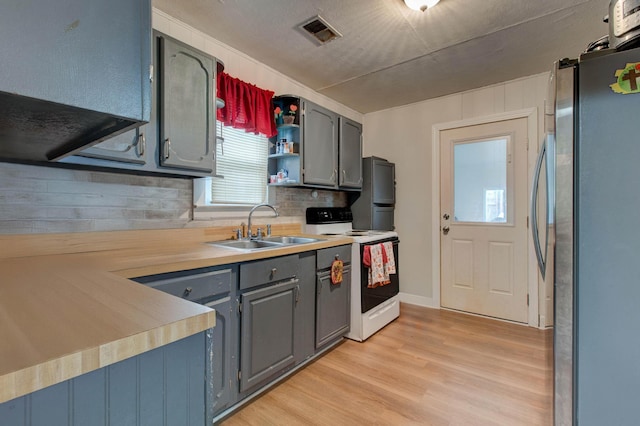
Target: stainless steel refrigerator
590	247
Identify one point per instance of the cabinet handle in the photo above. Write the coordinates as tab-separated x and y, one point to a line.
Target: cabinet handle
141	146
167	148
344	176
297	293
273	272
187	291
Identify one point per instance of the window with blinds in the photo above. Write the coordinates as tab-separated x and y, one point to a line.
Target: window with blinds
242	160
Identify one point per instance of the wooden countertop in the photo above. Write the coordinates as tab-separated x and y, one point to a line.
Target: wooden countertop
67	307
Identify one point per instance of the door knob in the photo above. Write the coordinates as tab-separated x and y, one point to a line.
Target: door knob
446	216
445	230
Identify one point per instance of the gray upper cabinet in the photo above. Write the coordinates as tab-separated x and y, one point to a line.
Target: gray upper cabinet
319	145
179	139
326	147
350	154
383	179
128	147
73	73
187	107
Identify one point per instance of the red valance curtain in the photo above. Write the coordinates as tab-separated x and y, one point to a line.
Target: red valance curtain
247	106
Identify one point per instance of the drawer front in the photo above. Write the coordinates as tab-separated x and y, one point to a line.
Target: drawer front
328	255
268	270
197	286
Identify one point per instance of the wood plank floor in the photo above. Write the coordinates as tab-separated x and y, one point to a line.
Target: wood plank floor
429	367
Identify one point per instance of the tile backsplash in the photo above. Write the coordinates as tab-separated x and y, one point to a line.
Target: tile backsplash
294	201
35	199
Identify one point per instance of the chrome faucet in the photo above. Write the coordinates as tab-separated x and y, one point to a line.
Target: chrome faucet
249	234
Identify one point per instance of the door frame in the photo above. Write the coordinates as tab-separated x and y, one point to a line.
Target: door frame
531	114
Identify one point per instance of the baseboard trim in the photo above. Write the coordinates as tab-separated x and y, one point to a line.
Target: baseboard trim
412	299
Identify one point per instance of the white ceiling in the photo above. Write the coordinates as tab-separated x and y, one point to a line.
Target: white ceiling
390	55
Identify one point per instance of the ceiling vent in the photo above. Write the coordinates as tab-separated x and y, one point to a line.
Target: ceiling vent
319	30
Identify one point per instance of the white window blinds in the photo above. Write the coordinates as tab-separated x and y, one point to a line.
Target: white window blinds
242	160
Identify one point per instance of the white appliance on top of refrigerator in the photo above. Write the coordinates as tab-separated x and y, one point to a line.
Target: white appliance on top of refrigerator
591	245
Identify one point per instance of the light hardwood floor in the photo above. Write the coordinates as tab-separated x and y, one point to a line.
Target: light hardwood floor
429	367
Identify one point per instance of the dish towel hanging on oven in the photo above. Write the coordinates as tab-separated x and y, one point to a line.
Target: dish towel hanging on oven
379	260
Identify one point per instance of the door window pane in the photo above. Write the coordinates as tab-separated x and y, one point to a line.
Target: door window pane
480	181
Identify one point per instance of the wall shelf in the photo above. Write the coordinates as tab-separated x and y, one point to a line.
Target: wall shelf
288	126
285	155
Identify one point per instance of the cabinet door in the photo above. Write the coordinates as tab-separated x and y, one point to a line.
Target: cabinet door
350	154
383	177
223	380
267	333
320	146
187	110
127	147
305	315
333	310
382	218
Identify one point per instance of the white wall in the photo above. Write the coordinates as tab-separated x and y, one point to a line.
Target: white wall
403	136
239	65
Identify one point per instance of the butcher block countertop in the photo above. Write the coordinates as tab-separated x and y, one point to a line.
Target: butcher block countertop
67	306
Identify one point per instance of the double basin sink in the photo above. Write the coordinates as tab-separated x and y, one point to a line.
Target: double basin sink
265	243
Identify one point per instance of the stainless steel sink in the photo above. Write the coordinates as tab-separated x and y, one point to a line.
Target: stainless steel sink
266	243
246	244
291	240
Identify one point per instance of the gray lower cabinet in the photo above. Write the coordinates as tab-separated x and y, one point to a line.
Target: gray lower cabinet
333	307
224	384
271	316
270	293
304	330
267	332
214	287
163	386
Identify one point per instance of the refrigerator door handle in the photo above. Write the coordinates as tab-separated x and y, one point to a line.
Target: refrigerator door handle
534	210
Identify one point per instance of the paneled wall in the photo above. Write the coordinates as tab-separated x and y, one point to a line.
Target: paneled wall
162	386
403	135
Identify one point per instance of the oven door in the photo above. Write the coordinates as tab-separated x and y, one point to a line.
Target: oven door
372	297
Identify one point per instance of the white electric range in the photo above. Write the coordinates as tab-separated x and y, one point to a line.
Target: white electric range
371	308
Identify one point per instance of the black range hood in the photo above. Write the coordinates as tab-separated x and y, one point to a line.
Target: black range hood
37	130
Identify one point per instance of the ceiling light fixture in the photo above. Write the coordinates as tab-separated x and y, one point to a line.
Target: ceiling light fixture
420	4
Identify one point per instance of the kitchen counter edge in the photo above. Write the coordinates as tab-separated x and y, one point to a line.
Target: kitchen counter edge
109	269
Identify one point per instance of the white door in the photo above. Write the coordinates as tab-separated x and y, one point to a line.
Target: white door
483	219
